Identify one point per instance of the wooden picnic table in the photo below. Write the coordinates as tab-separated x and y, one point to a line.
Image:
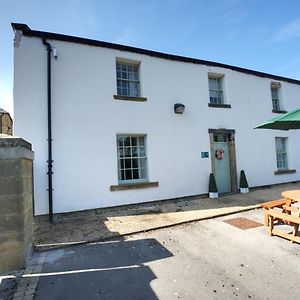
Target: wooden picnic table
293	195
286	216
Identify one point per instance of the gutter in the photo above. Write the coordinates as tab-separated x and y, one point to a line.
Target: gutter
49	161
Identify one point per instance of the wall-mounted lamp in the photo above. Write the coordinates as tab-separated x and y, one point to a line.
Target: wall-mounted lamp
54	51
179	108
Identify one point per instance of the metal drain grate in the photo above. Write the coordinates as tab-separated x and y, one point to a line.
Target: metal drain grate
243	223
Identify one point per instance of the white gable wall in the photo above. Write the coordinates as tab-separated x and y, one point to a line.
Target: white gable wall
86	119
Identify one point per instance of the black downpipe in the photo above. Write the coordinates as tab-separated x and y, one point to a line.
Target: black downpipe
50	161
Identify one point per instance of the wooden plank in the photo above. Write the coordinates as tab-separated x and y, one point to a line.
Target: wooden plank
274	203
271	224
286	235
266	217
283	216
290	208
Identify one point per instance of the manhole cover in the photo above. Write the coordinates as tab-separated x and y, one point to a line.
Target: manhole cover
243	223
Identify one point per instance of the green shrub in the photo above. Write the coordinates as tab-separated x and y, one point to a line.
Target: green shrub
212	184
243	180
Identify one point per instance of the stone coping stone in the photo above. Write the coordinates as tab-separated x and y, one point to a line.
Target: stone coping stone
13	141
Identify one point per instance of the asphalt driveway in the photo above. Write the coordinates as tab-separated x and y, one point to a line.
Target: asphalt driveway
209	259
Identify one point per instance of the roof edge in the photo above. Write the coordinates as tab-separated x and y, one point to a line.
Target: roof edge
20	26
79	40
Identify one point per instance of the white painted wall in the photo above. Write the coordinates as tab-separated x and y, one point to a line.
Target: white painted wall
86	120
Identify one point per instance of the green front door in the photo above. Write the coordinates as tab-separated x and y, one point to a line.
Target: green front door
222	163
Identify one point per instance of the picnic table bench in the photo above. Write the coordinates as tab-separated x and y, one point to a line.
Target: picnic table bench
279	203
271	214
291	220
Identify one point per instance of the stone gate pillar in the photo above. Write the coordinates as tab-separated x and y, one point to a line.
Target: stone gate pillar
16	202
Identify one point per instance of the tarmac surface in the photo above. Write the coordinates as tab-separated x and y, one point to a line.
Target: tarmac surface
210	259
185	250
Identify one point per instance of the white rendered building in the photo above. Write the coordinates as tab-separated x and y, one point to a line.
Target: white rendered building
116	138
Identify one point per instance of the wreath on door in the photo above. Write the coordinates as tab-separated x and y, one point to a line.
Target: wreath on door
219	153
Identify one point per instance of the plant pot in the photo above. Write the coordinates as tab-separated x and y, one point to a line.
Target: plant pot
213	195
244	190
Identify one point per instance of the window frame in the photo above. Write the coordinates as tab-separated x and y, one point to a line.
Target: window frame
144	157
219	90
276	103
282	152
128	80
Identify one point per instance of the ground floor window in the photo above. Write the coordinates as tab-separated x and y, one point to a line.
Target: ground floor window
281	153
132	159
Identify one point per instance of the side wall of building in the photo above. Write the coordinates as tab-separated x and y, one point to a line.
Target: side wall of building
86	119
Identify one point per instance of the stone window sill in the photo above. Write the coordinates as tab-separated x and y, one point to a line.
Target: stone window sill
219	105
288	171
126	98
132	186
279	111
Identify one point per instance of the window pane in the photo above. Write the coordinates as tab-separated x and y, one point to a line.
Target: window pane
219	84
133	141
122	175
212	84
121	152
120	140
142	151
133	89
134	151
276	104
127	163
141	141
274	93
135	163
127	152
135	174
122	164
127	141
119	91
128	174
142	163
143	174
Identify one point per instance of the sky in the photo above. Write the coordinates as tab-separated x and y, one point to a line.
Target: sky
262	35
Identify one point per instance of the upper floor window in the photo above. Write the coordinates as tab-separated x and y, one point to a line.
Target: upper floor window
281	153
132	159
275	97
215	90
128	83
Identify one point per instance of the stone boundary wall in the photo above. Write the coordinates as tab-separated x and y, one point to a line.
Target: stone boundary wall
16	203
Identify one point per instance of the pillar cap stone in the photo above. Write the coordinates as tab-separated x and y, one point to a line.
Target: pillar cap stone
12	147
13	141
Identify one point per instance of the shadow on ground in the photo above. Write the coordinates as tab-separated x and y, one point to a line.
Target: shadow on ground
8	288
103	224
111	270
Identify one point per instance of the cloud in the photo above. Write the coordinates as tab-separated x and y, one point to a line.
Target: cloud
288	32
